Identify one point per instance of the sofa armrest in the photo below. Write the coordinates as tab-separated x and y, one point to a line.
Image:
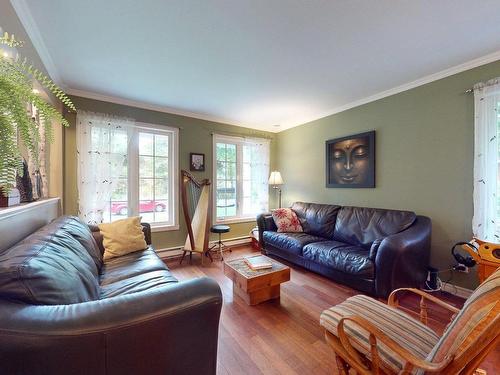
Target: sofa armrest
170	329
402	259
265	222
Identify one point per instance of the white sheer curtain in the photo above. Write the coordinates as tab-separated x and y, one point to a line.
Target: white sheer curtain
102	143
256	153
486	220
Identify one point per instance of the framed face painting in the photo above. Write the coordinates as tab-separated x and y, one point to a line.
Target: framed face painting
350	161
196	162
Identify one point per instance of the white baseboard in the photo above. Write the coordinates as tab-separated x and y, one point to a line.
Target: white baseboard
171	252
457	290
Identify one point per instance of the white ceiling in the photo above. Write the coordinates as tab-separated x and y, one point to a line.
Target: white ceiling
257	63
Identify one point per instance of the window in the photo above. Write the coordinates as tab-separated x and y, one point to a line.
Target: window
146	182
241	174
486	220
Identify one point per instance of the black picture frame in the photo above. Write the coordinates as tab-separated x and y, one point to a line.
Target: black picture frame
350	161
195	164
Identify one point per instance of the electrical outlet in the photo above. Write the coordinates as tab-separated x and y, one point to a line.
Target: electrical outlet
461	268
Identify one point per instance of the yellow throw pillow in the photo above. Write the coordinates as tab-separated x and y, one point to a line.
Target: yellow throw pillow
122	237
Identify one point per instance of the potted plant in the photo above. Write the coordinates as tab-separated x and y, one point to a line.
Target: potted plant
17	77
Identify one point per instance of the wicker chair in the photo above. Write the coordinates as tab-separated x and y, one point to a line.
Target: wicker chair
370	337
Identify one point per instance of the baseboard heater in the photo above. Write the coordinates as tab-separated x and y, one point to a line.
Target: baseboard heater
176	251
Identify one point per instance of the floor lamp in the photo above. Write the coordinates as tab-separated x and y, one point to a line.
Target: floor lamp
276	181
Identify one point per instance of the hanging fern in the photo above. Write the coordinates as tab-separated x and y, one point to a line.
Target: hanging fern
16	94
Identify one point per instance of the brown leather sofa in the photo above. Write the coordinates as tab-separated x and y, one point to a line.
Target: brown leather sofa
372	250
64	311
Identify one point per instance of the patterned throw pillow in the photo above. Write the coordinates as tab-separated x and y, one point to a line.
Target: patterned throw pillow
286	220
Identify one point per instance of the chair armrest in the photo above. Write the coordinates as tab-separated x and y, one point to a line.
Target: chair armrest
265	222
172	327
402	259
376	335
392	301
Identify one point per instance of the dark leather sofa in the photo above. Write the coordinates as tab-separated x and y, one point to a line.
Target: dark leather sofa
372	250
64	311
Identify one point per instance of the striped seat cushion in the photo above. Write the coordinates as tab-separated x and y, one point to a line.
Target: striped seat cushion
409	333
480	309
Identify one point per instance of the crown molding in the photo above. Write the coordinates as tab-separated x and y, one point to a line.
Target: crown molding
157	108
492	57
23	12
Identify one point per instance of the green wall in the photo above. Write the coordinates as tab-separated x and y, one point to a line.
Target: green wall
424	158
194	136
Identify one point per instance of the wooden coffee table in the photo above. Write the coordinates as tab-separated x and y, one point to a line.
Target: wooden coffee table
255	287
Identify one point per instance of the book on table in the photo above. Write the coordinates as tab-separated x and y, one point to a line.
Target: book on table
258	262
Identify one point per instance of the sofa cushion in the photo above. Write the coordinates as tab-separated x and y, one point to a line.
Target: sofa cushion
51	266
340	256
317	219
361	226
130	265
138	283
293	242
82	233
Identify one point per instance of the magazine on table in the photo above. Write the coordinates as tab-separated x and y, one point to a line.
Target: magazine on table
258	262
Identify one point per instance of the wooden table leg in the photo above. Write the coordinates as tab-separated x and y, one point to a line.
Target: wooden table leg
257	296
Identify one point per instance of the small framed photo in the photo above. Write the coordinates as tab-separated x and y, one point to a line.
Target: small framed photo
196	162
350	161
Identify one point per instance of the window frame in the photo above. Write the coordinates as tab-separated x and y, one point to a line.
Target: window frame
133	176
239	142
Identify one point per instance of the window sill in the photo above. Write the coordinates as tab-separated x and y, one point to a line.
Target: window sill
236	220
163	228
6	212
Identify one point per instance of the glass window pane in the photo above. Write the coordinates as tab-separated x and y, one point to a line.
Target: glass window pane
161	145
120	190
161	189
231	211
119	166
220	151
221	170
146	166
119	143
221	212
119	209
231	171
161	167
146	143
146	188
161	211
148	216
251	184
231	152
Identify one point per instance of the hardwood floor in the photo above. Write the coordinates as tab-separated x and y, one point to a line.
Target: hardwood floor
284	336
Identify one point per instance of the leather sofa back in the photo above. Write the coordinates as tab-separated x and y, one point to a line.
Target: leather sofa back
58	264
317	219
361	226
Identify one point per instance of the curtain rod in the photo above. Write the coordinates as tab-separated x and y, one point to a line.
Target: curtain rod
229	134
471	90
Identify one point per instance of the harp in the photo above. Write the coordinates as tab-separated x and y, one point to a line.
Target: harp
197	206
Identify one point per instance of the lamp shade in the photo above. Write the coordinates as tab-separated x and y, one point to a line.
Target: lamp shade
275	178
